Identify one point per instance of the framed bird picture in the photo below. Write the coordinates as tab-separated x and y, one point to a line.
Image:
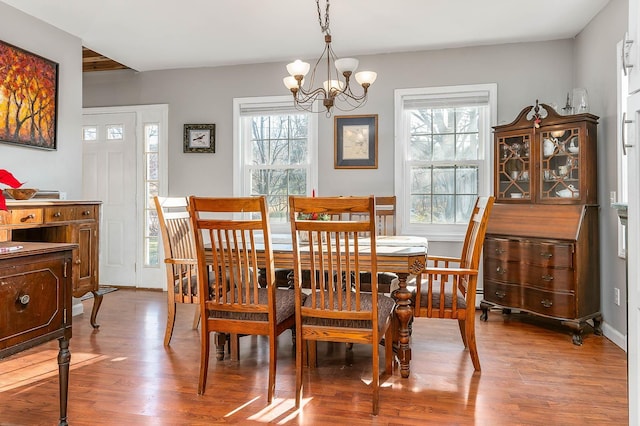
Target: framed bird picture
199	138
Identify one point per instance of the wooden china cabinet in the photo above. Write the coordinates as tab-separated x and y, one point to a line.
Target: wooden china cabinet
541	251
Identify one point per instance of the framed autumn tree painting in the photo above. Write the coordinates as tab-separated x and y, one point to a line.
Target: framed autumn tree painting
28	98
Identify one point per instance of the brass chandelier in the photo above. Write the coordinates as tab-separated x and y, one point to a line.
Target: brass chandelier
337	84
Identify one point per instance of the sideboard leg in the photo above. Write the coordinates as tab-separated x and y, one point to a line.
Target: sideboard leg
97	301
64	359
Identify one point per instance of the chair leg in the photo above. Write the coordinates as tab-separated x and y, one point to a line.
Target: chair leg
388	351
196	318
299	365
171	320
463	332
312	353
471	341
204	360
375	378
235	347
273	352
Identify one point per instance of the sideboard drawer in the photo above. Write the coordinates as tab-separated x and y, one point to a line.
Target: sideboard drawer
83	212
31	301
59	214
19	217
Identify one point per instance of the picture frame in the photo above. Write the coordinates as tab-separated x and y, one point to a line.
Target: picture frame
200	138
356	141
28	98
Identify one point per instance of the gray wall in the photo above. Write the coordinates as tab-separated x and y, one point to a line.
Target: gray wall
595	69
524	72
61	169
205	95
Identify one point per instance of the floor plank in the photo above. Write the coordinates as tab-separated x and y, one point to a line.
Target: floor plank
122	374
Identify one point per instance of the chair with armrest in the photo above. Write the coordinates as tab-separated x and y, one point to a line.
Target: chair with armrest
336	309
227	234
180	258
447	286
385	225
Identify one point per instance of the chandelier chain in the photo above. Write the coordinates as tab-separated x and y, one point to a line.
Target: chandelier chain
324	27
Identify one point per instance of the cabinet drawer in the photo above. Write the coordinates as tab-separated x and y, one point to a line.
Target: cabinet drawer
550	254
86	212
558	305
553	279
31	302
21	217
531	252
502	294
59	214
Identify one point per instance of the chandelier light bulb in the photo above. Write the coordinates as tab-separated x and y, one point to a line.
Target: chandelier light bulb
290	82
298	67
346	65
366	77
333	86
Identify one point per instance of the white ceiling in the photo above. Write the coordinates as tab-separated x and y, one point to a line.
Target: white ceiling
162	34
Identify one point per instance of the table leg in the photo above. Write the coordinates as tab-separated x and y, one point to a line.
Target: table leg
64	359
404	314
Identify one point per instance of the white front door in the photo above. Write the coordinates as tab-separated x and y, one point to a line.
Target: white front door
109	175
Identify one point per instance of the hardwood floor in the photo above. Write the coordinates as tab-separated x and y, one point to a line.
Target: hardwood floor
122	374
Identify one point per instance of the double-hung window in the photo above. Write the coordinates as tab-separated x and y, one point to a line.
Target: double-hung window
275	153
442	156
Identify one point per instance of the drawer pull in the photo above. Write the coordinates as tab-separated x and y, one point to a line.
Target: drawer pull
546	303
500	270
57	214
547	277
24	299
27	217
86	212
500	250
546	254
500	294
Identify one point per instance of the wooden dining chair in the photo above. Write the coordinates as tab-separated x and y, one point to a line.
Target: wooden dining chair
447	286
385	225
336	309
228	232
180	258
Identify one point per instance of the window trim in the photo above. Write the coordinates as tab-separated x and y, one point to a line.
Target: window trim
439	232
240	183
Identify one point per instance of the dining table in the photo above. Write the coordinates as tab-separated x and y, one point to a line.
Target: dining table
402	255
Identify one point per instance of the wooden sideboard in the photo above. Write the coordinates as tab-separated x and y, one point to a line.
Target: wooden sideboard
60	221
35	302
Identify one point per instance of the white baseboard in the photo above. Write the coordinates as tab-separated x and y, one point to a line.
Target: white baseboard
615	336
78	308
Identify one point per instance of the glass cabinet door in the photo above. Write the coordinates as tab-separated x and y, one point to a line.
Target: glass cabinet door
560	164
514	167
